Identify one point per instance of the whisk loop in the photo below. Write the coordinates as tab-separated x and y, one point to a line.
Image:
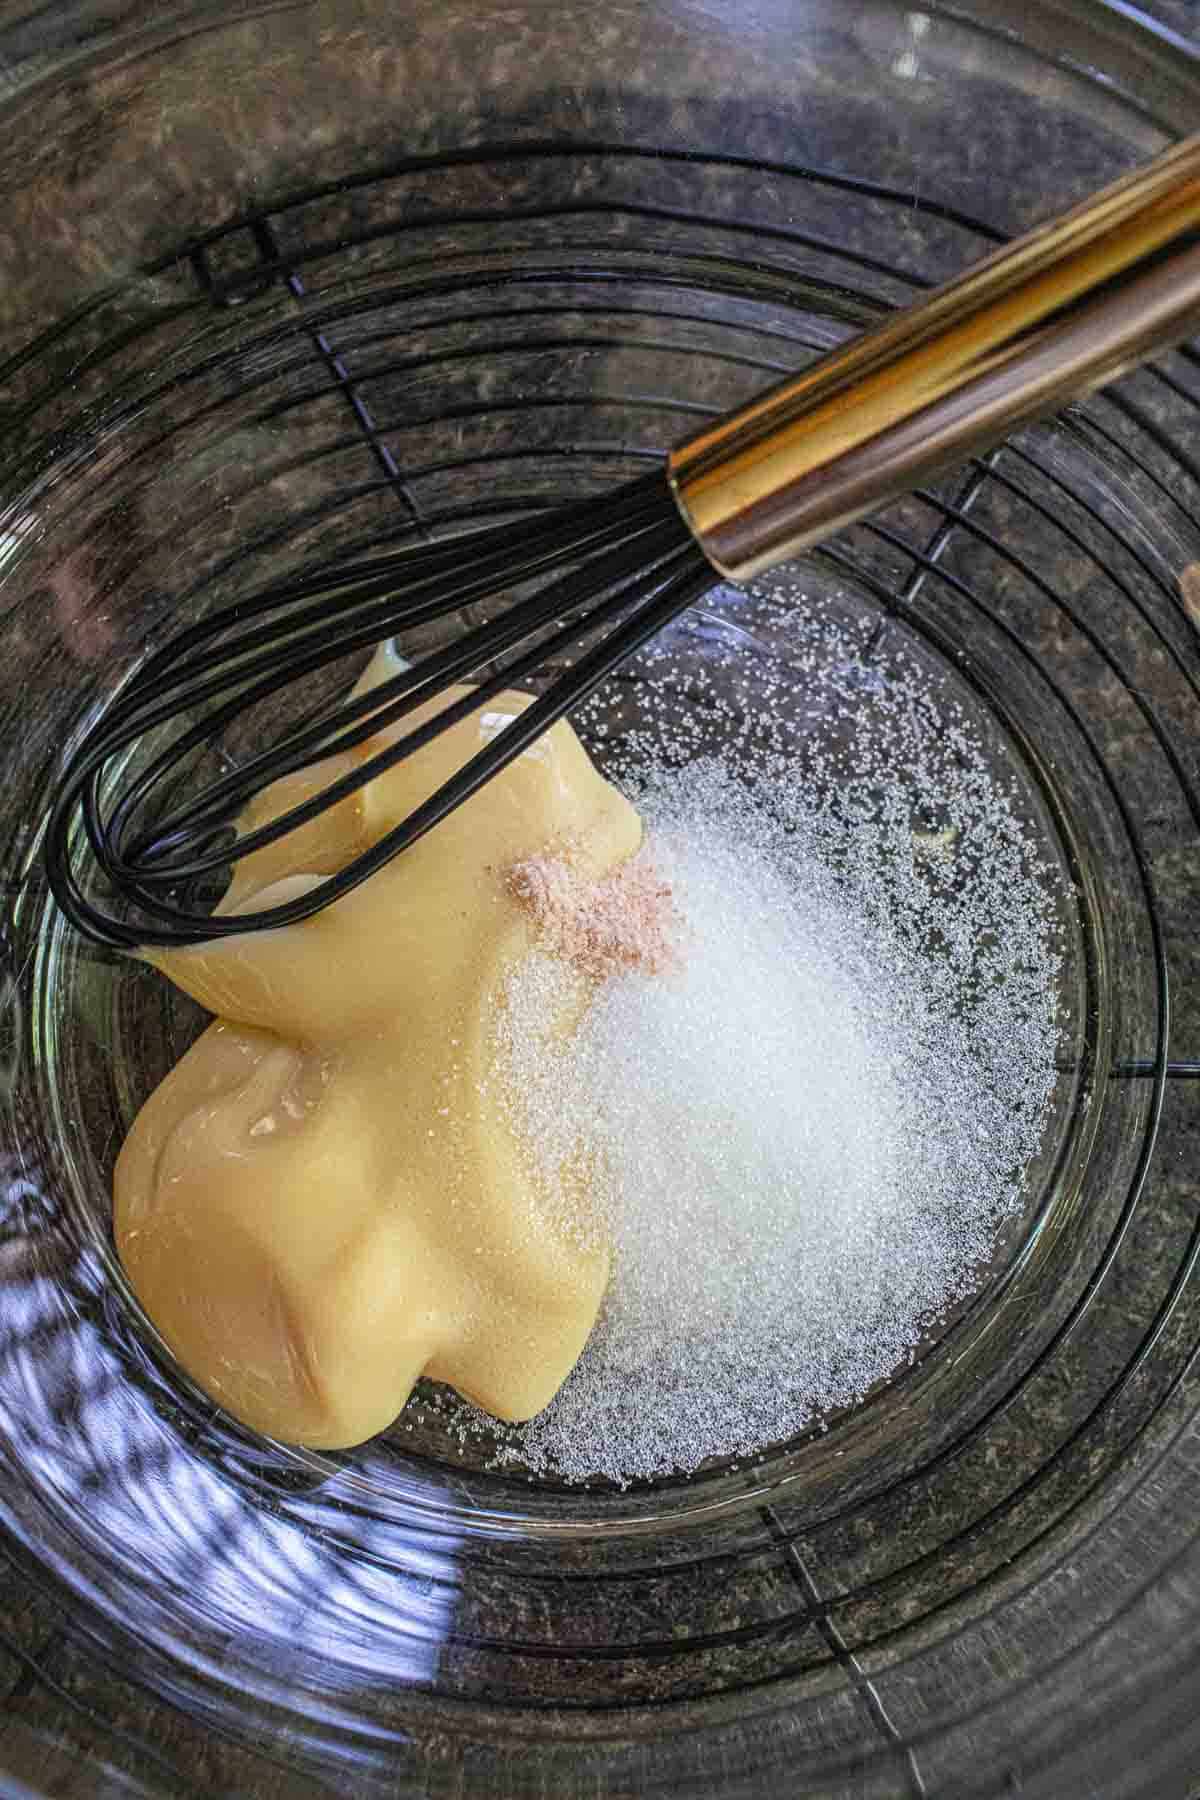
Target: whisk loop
630	560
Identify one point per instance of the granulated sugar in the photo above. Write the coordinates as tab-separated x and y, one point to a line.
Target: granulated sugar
808	1127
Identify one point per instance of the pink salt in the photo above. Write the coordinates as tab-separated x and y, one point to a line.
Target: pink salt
626	920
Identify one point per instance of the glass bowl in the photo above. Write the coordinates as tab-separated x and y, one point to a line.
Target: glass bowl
282	283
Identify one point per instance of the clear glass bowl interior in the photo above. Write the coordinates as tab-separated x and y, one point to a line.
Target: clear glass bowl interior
285	283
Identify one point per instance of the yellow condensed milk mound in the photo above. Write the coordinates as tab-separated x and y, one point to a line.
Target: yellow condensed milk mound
326	1198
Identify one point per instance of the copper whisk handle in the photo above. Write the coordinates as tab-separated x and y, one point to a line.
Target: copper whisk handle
1045	320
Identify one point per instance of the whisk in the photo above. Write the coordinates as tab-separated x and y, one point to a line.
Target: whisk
1043	321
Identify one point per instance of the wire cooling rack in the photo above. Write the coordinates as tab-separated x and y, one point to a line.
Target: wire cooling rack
457	338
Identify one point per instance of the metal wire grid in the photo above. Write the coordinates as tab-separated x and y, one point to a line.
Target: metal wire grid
1140	427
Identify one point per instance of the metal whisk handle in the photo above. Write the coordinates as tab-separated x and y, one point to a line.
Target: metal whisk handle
1045	320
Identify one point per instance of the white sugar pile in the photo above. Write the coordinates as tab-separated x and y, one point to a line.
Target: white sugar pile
810	1129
